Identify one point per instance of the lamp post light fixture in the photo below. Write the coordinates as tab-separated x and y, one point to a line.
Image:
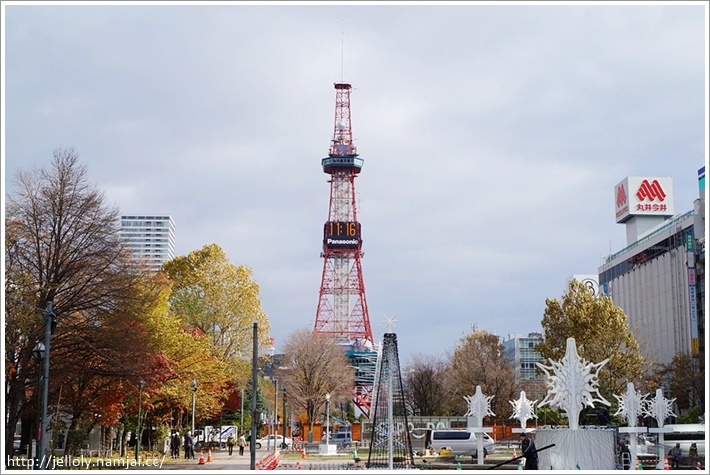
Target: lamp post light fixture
193	383
138	430
327	419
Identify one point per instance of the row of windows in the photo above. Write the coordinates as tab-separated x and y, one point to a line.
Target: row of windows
673	242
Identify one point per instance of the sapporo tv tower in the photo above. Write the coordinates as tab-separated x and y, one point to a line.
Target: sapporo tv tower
342	307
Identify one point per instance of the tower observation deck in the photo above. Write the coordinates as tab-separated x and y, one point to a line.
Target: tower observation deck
342	306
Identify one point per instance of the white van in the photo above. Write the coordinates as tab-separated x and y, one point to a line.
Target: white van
685	434
460	441
342	439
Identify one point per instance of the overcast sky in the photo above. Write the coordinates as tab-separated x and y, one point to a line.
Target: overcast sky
493	137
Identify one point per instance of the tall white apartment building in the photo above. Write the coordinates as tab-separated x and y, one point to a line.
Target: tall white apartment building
149	238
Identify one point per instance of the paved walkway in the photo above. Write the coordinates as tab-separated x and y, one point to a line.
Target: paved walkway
221	460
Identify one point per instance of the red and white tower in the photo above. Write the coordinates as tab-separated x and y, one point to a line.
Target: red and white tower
342	307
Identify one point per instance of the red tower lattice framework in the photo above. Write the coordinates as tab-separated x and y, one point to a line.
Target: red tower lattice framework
342	306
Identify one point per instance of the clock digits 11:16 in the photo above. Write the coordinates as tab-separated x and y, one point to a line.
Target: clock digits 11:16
342	234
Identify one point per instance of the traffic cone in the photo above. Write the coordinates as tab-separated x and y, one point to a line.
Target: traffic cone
639	466
303	452
209	455
458	466
666	465
515	455
201	461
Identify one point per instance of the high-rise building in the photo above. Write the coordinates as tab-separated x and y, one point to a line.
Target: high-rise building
149	238
522	351
653	279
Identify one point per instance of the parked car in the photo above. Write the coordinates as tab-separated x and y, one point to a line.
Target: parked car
269	441
460	442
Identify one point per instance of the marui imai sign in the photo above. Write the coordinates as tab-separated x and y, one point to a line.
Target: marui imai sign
643	196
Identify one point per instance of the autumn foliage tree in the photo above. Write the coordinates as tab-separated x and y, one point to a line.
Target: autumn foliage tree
315	365
63	246
426	387
480	360
219	298
215	303
600	330
684	376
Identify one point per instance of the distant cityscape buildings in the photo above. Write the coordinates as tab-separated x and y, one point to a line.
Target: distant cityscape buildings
149	238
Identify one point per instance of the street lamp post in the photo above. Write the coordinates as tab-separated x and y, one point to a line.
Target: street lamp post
327	419
49	316
283	418
252	437
138	430
38	353
193	383
276	411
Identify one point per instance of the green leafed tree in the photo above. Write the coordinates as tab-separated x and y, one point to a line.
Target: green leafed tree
600	330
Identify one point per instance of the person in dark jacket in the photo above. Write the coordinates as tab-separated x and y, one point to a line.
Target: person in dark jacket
189	446
528	449
175	445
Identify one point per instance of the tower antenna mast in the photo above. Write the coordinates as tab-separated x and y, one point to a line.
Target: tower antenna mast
342	50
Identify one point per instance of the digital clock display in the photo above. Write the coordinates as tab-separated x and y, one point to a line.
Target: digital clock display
341	234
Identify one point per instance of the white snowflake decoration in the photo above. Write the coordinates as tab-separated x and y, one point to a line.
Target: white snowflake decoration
660	408
632	404
390	322
573	384
479	406
523	409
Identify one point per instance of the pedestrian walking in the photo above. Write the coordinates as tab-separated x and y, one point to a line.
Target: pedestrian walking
175	445
230	444
242	443
528	449
189	446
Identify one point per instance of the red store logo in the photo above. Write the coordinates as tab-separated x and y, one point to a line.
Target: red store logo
620	196
650	191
